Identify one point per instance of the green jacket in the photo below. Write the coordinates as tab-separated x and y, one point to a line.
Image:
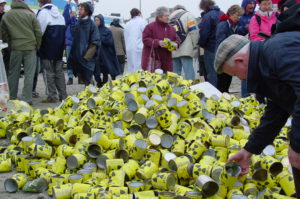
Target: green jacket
20	28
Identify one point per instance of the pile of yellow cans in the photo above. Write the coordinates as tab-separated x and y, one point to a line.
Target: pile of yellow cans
142	136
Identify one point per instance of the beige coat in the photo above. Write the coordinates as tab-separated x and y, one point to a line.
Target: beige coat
190	45
118	35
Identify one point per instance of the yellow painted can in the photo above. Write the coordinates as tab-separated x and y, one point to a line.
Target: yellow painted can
80	188
286	181
15	183
147	170
5	165
62	191
130	168
117	178
114	190
163	181
114	164
230	173
84	195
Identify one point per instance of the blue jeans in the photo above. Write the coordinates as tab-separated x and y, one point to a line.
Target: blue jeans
244	89
70	71
209	59
187	64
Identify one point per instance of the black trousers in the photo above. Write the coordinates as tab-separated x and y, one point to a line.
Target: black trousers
296	173
224	82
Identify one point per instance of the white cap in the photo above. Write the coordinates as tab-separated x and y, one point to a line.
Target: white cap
2	1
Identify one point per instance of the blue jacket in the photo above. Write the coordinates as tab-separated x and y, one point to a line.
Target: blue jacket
224	30
108	60
85	33
208	28
70	21
53	40
274	72
245	19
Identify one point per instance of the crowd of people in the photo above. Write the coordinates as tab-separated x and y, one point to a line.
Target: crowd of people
94	52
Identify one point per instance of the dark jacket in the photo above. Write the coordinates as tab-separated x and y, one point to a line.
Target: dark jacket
208	28
224	30
20	28
107	57
153	33
274	72
245	18
70	22
85	34
53	28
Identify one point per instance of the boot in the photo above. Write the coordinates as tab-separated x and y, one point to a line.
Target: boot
70	81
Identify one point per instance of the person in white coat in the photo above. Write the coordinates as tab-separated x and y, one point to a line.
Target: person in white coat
133	40
188	49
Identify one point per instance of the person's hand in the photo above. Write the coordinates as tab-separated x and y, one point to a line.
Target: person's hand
162	43
294	158
243	159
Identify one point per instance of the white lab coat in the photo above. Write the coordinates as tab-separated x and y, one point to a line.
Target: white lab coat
133	33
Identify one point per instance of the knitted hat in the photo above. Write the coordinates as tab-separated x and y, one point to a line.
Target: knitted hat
227	49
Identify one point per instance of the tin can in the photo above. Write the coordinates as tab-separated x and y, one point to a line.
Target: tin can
20	162
154	156
80	188
196	150
166	195
130	168
38	185
101	160
147	170
5	165
116	178
84	195
166	157
230	173
62	191
286	181
178	147
183	129
155	136
250	188
181	189
144	194
102	140
135	186
15	183
141	116
75	161
220	140
114	164
207	185
43	151
164	118
272	165
139	149
163	181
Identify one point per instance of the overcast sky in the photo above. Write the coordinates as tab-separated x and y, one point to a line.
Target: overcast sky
149	6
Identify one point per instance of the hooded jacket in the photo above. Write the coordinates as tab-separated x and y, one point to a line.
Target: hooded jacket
86	37
208	28
70	21
53	28
245	18
108	60
266	25
20	28
189	47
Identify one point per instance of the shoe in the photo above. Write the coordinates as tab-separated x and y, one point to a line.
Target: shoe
49	101
70	81
35	95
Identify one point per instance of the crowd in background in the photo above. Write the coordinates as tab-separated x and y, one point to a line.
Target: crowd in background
94	52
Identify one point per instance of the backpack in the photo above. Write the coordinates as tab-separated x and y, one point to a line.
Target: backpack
181	34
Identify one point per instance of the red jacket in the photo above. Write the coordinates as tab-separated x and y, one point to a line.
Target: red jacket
154	32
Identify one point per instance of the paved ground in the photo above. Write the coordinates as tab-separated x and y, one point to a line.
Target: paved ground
72	90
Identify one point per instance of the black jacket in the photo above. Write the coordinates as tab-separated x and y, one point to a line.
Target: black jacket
274	72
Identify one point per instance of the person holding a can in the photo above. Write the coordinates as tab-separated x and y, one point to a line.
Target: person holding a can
272	70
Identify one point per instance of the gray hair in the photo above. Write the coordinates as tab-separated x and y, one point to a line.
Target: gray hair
160	11
178	7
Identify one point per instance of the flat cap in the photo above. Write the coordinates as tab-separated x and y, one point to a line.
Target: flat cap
227	49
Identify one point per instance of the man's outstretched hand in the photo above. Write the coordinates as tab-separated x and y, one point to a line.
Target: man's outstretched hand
294	158
243	159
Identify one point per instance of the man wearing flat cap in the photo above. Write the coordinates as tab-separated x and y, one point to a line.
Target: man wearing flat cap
272	69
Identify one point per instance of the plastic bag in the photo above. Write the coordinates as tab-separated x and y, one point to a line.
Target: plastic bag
4	91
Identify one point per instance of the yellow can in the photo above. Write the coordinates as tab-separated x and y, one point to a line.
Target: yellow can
5	165
15	183
286	181
135	186
43	151
139	149
62	191
164	118
272	165
193	195
117	178
178	147
220	140
196	149
115	190
130	168
166	195
144	194
230	173
80	188
76	160
147	170
114	164
181	189
163	181
154	156
206	185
